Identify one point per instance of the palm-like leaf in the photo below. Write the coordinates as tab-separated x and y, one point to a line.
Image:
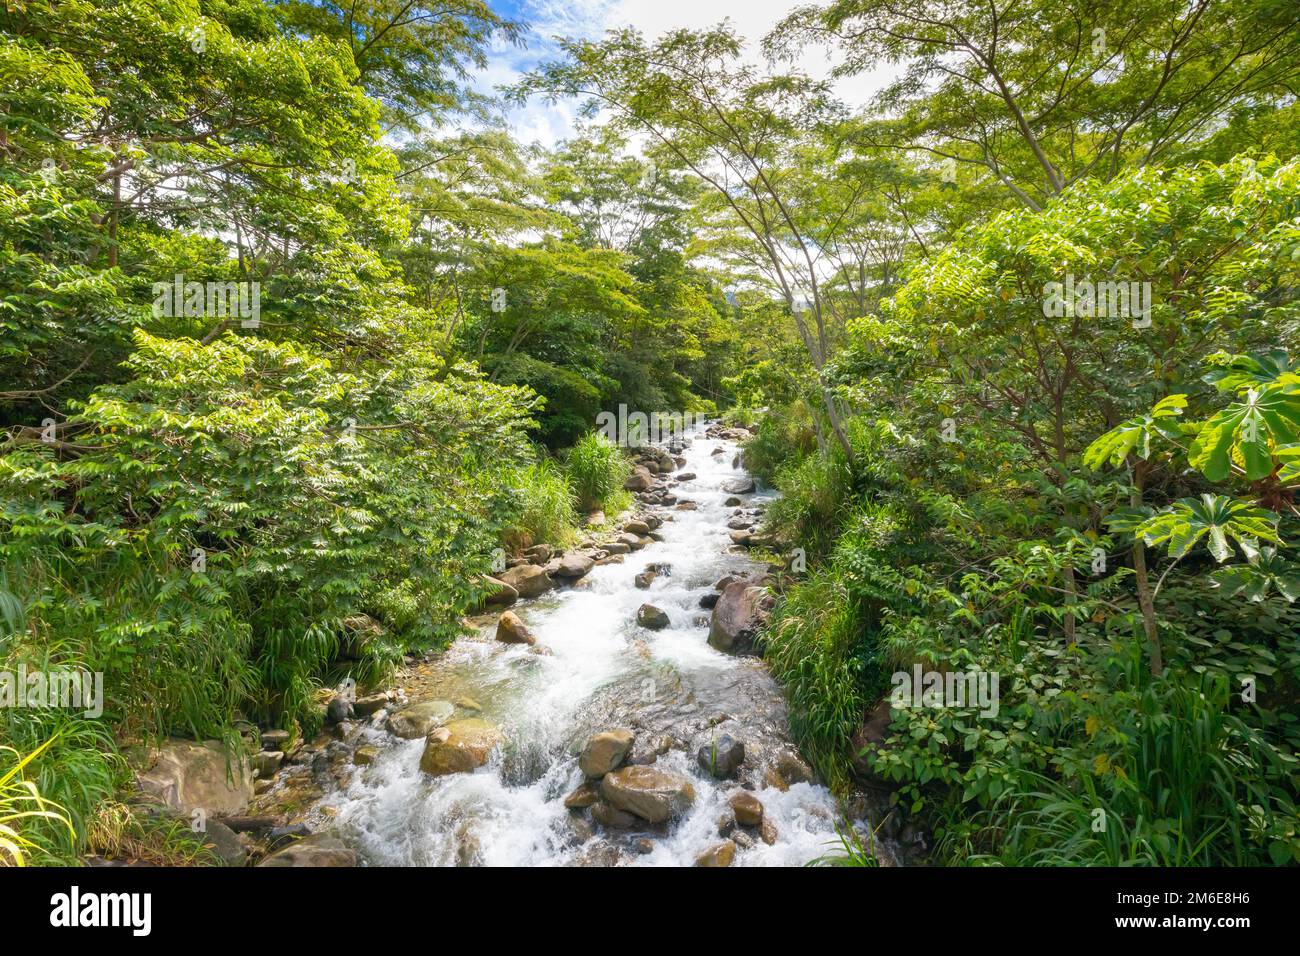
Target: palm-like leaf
1264	570
1246	432
1215	518
1134	436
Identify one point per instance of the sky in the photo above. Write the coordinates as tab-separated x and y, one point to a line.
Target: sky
589	19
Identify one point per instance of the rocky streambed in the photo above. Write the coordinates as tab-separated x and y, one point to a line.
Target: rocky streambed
606	710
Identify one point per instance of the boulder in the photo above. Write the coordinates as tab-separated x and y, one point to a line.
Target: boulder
747	808
365	706
612	817
738	486
792	767
365	756
267	762
322	849
419	720
637	526
499	594
651	617
511	630
539	554
339	708
709	600
575	564
737	617
275	739
652	794
223	843
644	579
460	746
528	580
633	541
720	854
187	775
686	476
732	502
641	479
604	752
587	794
721	757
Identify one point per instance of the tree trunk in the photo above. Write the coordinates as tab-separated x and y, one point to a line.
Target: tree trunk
1146	602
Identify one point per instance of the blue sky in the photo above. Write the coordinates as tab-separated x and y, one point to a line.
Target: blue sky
547	19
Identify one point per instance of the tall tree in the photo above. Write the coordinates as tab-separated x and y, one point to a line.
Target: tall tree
1038	95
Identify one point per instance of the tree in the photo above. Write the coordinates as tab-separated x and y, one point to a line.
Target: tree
733	128
1040	95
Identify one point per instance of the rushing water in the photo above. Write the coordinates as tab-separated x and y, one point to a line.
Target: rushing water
603	671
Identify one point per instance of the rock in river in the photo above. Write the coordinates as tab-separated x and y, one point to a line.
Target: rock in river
319	850
585	795
528	580
651	794
511	630
460	746
720	854
722	757
419	720
650	616
499	594
604	752
574	565
747	808
737	617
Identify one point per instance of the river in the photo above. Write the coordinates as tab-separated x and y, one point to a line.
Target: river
601	671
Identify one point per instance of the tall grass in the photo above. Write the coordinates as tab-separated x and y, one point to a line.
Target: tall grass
547	512
597	469
23	809
812	647
781	438
1179	791
815	497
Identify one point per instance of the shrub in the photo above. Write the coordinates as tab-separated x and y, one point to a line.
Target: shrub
783	437
547	512
597	469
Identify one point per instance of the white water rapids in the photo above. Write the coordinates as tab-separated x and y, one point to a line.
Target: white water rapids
603	672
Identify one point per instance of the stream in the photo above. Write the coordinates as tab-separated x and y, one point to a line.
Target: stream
599	671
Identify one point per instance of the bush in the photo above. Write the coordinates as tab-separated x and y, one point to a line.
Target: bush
782	438
597	469
547	512
813	502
